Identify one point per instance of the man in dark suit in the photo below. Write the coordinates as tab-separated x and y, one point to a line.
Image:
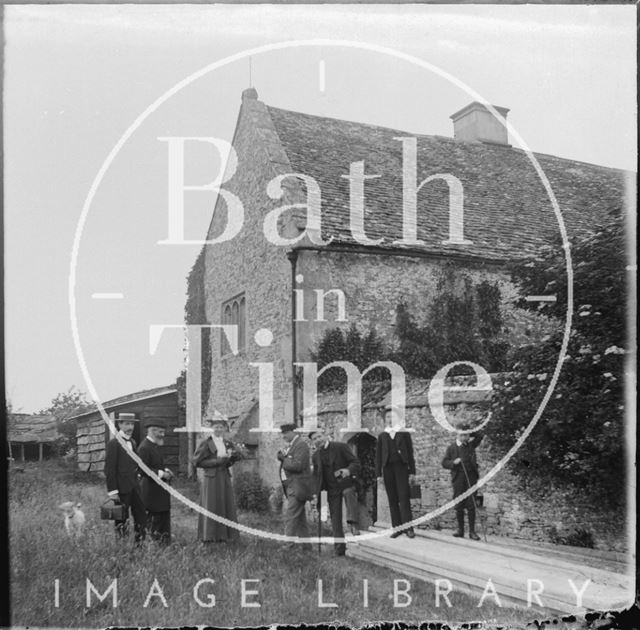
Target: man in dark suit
460	458
156	499
396	465
335	469
295	472
121	472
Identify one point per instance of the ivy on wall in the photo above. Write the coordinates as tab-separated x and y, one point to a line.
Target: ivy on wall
361	350
463	323
195	313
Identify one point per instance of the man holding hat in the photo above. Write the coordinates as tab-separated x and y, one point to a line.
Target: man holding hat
157	500
295	472
121	472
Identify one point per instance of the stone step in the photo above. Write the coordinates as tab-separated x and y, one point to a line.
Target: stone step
551	559
470	564
461	583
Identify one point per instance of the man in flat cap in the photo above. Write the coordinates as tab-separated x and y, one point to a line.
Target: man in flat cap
157	500
295	472
121	472
460	459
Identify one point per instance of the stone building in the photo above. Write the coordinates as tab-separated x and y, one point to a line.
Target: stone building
479	204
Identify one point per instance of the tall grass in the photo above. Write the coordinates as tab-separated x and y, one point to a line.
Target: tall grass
40	553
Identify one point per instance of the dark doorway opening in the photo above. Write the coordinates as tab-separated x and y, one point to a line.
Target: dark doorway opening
364	445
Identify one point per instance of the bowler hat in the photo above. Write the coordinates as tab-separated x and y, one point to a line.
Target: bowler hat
285	428
155	422
318	430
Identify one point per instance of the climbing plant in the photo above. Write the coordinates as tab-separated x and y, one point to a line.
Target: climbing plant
195	313
463	323
352	345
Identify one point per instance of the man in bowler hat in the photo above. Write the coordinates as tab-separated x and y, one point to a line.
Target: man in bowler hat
335	469
460	458
121	472
157	500
295	472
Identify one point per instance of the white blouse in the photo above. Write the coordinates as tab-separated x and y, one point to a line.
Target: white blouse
219	442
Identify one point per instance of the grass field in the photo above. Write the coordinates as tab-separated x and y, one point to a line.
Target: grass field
41	553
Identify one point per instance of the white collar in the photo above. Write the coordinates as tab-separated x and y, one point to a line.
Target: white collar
152	440
124	436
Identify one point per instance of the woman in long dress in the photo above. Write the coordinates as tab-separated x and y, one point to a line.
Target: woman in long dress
215	456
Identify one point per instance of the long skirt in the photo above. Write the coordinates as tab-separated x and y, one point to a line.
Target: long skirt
216	495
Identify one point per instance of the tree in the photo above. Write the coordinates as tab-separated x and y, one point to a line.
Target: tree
579	440
64	406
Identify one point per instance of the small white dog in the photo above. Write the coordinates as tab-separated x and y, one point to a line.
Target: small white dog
73	518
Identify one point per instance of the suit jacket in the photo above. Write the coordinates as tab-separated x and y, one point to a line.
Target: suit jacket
467	455
340	456
401	443
297	467
120	468
154	497
206	456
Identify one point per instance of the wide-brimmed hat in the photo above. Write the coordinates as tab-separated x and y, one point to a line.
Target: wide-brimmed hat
216	418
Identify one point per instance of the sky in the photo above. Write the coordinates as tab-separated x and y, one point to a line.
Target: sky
77	77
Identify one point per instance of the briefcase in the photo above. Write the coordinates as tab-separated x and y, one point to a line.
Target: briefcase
415	491
113	512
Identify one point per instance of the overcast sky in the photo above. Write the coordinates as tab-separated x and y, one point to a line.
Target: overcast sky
76	77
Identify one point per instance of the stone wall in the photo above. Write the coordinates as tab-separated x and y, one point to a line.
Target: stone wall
508	510
375	284
250	264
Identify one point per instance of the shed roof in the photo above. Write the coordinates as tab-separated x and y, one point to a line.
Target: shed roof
26	427
144	394
507	212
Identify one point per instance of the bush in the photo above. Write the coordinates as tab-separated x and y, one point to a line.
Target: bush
577	538
251	493
579	442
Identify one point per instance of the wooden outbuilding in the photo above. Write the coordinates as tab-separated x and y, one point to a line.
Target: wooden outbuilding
31	435
161	402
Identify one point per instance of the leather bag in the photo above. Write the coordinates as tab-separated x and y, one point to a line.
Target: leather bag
113	512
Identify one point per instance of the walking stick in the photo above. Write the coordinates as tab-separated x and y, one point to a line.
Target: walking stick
319	506
473	498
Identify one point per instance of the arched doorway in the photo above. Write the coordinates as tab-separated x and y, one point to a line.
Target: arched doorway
364	446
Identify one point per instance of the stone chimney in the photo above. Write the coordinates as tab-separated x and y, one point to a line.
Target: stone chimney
475	123
250	94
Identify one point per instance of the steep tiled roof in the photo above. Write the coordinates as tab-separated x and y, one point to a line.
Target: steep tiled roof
506	209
